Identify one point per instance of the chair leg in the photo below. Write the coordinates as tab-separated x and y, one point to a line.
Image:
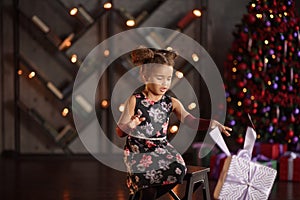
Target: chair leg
189	190
206	192
172	193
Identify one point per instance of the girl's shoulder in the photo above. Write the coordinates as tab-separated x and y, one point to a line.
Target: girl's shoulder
176	103
132	100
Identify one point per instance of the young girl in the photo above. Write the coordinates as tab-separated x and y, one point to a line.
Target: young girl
154	166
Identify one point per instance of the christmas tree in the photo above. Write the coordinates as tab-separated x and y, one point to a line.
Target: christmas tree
262	73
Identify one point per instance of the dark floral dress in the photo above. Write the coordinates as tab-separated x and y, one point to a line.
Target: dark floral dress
150	159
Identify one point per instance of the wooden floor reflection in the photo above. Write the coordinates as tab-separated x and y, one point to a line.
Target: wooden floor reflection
83	178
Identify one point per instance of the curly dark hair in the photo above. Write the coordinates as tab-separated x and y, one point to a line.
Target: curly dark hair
145	55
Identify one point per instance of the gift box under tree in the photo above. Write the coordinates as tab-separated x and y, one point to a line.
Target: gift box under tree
264	160
242	178
270	150
216	165
289	165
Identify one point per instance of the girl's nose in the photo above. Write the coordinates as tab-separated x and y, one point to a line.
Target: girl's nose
164	83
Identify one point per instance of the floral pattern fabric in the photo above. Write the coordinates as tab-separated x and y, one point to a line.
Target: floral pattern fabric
151	161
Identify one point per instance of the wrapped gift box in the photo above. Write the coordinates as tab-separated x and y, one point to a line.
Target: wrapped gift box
273	151
242	178
289	166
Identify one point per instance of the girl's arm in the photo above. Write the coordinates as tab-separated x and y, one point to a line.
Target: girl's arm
196	123
128	120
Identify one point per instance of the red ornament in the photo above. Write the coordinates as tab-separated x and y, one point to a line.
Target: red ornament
242	66
251	18
239	114
279	48
283	87
247	102
283	7
230	57
255	105
290	37
254	36
291	133
244	36
240	140
240	84
265	6
278	19
230	111
292	49
253	65
275	120
241	95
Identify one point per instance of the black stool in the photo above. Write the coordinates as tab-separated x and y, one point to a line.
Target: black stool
195	177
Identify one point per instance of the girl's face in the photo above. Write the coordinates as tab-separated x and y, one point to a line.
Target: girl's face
159	79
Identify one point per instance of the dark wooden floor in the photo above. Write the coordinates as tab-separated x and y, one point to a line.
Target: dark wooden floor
82	178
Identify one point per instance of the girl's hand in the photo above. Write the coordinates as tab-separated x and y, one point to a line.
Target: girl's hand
135	121
223	129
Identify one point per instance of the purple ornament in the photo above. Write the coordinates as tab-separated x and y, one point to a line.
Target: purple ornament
298	53
296	111
295	139
271	141
275	86
282	37
271	52
268	23
227	94
232	122
295	34
279	131
271	128
246	30
276	78
249	75
283	118
291	88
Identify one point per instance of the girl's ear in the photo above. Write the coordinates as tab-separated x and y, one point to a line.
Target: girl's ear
144	78
143	75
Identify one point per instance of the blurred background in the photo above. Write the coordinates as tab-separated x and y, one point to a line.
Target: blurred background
43	44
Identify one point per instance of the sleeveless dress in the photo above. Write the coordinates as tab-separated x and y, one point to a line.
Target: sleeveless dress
149	158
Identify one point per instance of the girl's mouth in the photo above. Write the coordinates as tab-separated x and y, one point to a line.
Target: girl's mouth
163	89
